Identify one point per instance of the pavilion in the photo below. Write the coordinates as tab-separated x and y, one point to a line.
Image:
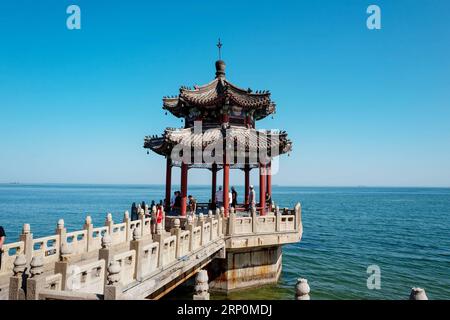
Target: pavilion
219	122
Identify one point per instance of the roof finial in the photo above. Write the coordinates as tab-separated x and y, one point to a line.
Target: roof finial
219	45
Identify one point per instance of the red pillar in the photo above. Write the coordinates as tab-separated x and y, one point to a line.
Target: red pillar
226	186
184	173
262	188
168	182
247	183
269	179
226	171
214	185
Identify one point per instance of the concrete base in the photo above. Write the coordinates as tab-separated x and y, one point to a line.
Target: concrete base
245	268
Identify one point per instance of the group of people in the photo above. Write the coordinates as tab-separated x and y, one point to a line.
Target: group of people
233	195
143	206
175	203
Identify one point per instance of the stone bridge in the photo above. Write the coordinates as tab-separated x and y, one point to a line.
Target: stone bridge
143	259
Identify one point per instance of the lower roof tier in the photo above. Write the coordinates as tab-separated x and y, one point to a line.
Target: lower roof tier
201	148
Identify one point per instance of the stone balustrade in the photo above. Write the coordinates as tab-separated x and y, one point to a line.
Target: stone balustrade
79	261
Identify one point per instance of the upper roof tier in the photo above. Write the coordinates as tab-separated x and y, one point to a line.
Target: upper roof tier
217	94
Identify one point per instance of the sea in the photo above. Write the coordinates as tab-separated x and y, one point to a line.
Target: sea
348	234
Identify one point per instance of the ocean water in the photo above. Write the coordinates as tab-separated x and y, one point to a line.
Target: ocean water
404	231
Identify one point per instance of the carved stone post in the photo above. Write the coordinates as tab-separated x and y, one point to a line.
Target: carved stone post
201	286
61	231
176	231
36	281
109	223
105	252
219	223
16	282
231	223
136	244
89	227
141	214
201	223
418	294
113	289
278	218
210	219
302	290
298	215
126	220
190	228
27	238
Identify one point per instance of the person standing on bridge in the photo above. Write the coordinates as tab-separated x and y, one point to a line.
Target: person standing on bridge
192	204
134	212
2	241
233	197
252	197
219	197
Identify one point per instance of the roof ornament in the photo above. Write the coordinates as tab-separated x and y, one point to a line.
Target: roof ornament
220	64
219	45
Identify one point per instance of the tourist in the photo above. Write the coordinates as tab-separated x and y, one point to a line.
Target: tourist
143	205
192	204
219	197
176	208
268	199
159	214
252	197
134	212
172	199
233	197
2	241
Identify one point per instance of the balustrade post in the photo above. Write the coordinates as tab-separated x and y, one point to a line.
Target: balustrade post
176	231
61	231
418	294
231	223
109	223
27	237
36	281
142	218
190	228
201	286
210	219
302	290
298	215
126	220
137	244
89	227
17	282
277	219
219	223
105	252
201	223
113	288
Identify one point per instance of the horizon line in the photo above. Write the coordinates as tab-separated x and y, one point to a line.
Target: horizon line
203	185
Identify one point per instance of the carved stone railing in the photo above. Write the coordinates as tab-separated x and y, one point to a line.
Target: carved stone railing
85	261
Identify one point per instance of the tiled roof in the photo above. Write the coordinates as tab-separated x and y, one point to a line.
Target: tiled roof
248	140
217	92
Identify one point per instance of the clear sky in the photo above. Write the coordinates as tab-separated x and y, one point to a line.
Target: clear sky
363	107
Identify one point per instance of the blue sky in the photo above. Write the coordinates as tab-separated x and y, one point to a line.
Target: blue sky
363	107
